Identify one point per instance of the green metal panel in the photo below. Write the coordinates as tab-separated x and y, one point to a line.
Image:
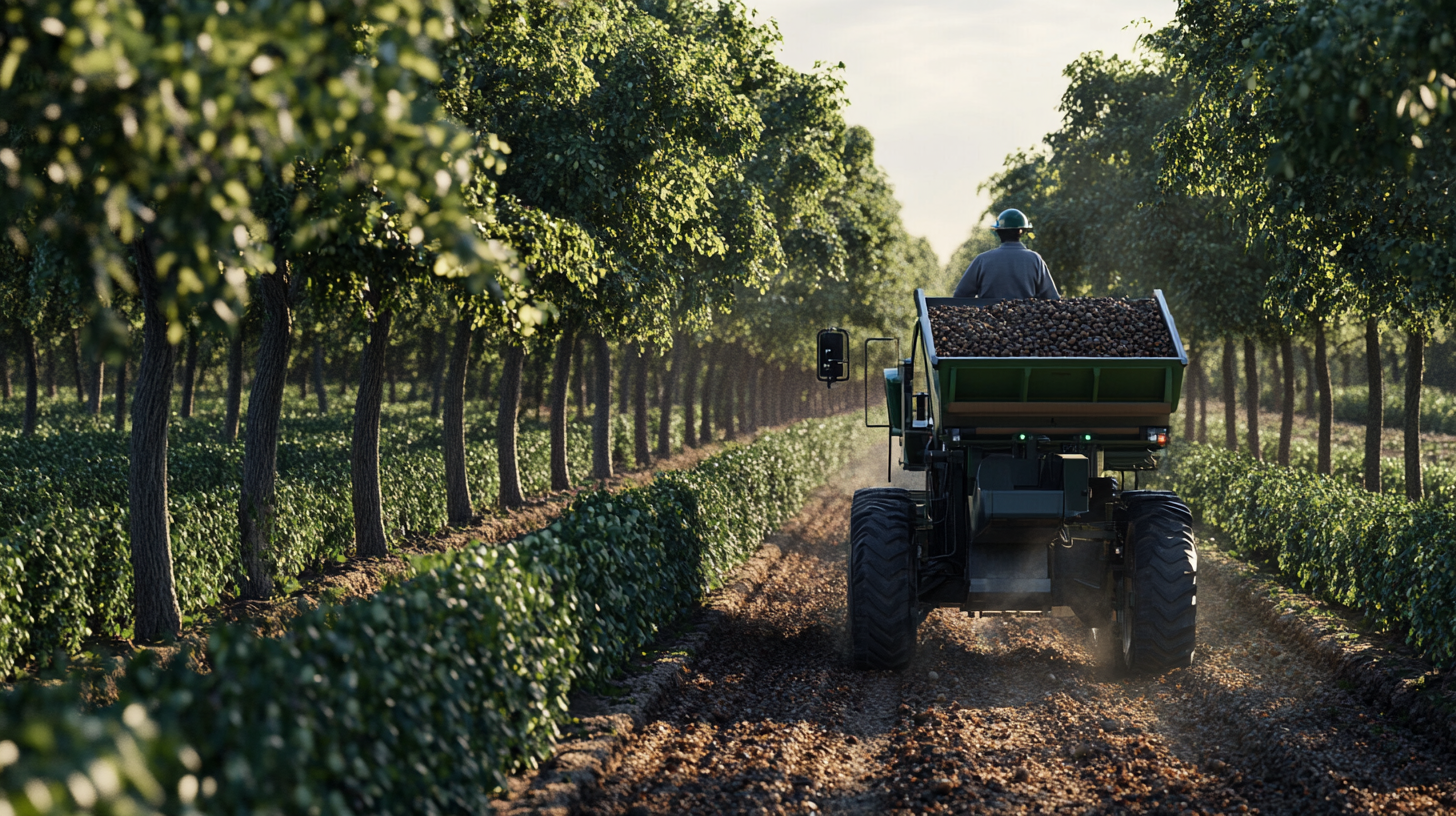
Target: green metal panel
983	385
1059	379
894	401
1154	380
1071	384
1140	384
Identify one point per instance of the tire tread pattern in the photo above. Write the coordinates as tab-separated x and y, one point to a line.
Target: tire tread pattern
1164	564
882	592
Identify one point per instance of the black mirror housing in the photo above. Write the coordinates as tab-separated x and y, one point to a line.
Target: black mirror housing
833	355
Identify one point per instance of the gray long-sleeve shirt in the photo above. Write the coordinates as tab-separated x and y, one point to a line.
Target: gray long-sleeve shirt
1009	271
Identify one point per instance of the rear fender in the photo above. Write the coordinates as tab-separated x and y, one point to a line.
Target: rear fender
895	401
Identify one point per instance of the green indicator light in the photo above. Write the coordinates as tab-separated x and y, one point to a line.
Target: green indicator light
1086	437
1021	437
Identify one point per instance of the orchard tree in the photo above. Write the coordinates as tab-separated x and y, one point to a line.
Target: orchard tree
559	261
623	128
1106	227
1329	124
138	137
866	285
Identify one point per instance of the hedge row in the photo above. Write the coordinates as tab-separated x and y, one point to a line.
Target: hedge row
64	505
423	697
1389	559
1348	464
1438	408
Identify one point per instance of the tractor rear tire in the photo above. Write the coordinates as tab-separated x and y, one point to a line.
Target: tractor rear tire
1159	611
882	591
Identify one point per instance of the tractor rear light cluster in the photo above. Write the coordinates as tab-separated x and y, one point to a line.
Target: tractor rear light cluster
1159	436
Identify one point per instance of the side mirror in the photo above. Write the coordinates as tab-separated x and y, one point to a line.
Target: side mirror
833	356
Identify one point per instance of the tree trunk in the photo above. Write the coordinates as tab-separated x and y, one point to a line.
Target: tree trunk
50	371
640	434
776	393
665	403
1230	410
624	388
189	377
77	367
709	396
578	375
588	376
513	362
458	509
369	539
1311	390
1286	406
202	368
154	590
118	420
98	385
303	375
257	503
319	391
1203	389
1415	353
1374	405
775	398
425	364
1326	398
6	389
344	374
1276	372
689	379
786	406
234	385
602	418
725	412
1251	396
32	383
762	395
560	388
747	416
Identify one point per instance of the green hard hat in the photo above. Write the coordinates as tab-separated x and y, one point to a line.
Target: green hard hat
1012	219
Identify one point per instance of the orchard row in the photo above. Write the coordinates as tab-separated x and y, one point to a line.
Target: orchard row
1282	172
377	191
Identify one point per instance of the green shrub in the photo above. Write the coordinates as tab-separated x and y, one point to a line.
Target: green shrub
1438	408
1348	464
1389	559
63	499
421	698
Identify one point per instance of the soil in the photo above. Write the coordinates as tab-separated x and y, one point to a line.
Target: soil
1007	715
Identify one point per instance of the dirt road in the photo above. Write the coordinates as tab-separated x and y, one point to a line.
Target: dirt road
1005	715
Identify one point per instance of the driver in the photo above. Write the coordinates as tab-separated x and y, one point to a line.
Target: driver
1011	270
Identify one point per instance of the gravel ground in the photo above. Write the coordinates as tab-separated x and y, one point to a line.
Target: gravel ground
1013	715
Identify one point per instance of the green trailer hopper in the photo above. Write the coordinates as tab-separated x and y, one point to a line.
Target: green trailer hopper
1121	403
1024	508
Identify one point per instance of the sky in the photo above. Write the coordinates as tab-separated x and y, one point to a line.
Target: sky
949	88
